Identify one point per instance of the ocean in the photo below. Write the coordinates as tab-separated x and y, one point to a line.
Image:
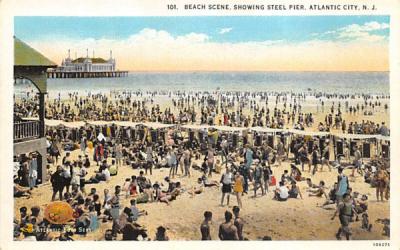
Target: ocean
328	82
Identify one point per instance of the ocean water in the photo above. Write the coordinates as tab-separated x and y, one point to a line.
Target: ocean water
328	82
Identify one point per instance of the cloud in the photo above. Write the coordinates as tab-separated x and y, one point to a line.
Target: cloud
357	32
158	50
225	30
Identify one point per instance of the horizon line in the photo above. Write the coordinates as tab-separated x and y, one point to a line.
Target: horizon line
227	71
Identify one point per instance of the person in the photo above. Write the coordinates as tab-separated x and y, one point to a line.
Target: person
94	224
357	161
281	192
210	160
238	188
285	178
118	155
226	180
381	179
343	185
345	211
135	212
82	173
20	191
314	159
294	190
198	189
319	191
325	157
205	226
57	181
187	160
248	156
295	173
33	173
113	169
149	158
106	174
115	207
303	156
227	230
172	163
280	149
125	187
310	184
258	178
161	234
238	222
267	173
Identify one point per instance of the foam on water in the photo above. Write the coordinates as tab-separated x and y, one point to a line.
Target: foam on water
329	82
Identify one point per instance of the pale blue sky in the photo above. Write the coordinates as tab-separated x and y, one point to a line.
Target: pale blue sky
238	28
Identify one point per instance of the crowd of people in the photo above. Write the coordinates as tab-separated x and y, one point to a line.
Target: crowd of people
244	163
236	109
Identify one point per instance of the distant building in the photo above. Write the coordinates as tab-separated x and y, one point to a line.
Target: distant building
81	64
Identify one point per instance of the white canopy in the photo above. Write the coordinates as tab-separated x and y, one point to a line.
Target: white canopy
356	136
157	125
126	123
309	133
228	128
195	127
99	123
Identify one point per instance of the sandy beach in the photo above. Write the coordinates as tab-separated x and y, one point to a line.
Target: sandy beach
296	219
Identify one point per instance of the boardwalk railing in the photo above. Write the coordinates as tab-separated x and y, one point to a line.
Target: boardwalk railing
26	130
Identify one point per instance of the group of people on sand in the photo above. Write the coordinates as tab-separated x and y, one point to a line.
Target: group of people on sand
237	109
230	229
241	165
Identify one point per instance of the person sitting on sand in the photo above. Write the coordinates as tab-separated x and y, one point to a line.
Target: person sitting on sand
20	191
295	173
135	212
294	190
310	184
331	196
205	226
281	192
197	189
319	191
285	178
227	230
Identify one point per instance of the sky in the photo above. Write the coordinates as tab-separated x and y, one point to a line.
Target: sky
212	43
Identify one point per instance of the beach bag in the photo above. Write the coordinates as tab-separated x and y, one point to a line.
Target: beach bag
272	181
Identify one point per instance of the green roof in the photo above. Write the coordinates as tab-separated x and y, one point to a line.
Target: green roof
24	55
94	60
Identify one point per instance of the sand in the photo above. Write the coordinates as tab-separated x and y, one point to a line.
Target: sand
295	219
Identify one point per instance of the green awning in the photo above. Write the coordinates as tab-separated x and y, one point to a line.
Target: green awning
24	55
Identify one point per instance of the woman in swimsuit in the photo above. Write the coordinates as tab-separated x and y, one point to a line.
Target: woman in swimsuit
238	188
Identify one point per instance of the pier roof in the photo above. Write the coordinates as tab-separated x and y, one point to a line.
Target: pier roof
94	60
24	55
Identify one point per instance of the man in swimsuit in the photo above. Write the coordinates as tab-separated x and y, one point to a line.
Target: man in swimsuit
227	230
345	210
205	227
238	222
